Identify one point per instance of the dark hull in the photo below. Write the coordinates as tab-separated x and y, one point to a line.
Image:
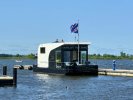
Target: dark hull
70	70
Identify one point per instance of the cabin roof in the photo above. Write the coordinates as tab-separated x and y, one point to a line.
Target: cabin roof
73	43
65	43
51	46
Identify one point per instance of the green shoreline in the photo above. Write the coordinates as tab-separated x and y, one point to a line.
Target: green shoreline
90	56
17	56
110	56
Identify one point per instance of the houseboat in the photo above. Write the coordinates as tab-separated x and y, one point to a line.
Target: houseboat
68	58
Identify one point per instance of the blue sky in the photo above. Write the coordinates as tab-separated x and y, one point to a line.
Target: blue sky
107	24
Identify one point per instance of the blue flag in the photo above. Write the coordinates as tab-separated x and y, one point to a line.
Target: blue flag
74	28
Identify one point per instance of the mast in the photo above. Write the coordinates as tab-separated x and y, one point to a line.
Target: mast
78	41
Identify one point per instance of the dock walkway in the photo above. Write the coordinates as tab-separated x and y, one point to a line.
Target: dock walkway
6	80
117	72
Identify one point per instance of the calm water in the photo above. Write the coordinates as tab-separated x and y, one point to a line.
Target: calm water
33	86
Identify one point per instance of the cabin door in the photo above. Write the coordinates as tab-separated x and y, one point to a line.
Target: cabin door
83	57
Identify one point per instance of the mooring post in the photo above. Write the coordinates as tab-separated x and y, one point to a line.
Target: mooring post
4	70
15	76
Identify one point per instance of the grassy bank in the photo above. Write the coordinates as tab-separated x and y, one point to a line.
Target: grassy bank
17	56
109	56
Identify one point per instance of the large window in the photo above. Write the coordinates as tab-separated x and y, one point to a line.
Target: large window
83	57
66	56
74	56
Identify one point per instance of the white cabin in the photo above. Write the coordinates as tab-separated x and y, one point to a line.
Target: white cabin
58	54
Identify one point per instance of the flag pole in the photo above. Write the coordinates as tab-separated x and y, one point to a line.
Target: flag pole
78	41
75	29
75	38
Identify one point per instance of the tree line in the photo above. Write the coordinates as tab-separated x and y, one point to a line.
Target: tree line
90	56
122	55
30	56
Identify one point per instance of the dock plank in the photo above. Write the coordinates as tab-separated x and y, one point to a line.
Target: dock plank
6	78
118	72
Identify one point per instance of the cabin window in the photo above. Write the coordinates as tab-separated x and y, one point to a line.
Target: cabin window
58	59
67	56
42	50
74	55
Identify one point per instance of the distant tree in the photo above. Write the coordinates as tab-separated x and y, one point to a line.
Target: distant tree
17	55
122	54
32	56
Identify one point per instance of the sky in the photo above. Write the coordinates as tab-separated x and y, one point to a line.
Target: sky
107	24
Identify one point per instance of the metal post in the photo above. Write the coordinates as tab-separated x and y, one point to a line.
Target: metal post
15	76
78	48
4	70
78	42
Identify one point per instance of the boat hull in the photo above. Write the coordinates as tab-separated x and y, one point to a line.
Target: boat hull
70	70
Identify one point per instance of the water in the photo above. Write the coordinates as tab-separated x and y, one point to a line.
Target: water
33	86
120	64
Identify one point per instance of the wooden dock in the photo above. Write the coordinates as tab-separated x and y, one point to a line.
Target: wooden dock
117	72
6	80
